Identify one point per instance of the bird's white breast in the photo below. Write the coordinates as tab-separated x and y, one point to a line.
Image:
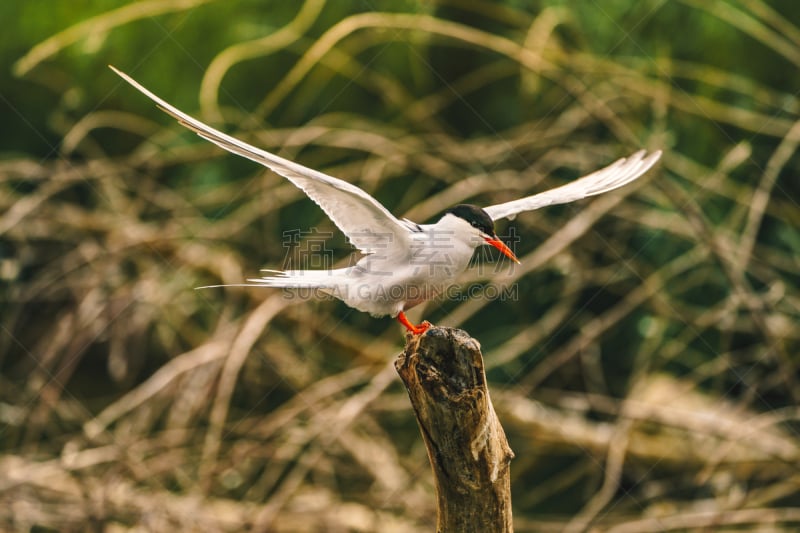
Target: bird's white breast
386	284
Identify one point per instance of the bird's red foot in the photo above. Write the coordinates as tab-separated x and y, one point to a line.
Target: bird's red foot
416	330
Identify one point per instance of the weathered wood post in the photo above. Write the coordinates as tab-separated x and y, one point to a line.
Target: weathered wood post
444	375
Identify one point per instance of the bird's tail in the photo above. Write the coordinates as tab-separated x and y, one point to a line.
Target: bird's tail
293	279
299	279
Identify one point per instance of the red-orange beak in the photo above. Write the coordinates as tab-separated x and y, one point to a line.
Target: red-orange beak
500	245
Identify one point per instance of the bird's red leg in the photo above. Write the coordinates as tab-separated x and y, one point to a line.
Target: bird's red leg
416	330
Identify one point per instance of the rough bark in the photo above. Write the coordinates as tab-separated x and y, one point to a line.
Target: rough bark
444	375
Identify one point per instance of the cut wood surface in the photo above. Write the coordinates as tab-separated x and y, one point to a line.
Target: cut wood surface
444	375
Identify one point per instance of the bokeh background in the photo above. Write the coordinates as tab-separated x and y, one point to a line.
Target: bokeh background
645	372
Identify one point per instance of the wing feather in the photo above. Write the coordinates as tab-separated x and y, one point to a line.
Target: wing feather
369	226
615	175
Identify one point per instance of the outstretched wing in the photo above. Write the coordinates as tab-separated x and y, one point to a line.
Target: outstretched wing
606	179
369	226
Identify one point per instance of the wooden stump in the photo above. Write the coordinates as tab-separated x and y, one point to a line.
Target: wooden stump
467	447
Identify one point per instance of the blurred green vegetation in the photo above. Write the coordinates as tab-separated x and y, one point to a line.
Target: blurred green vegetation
646	373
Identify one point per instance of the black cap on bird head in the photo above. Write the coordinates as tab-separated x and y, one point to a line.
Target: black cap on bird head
477	217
